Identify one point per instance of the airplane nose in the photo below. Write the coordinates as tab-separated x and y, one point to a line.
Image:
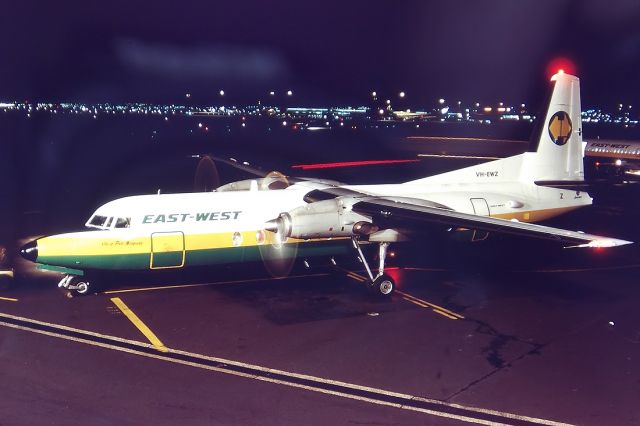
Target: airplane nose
30	251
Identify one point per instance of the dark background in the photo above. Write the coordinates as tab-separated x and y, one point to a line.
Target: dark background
54	171
327	52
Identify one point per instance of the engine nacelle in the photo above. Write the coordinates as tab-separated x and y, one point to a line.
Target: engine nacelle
321	219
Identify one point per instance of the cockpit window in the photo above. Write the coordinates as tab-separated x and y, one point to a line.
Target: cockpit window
108	222
98	221
123	222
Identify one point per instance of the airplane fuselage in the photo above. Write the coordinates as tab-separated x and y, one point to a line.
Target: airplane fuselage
199	229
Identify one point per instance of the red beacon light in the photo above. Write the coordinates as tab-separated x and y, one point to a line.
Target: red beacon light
560	72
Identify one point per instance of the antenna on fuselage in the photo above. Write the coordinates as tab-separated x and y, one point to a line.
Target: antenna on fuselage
159	191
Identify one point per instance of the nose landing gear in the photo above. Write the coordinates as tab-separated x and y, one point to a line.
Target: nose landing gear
75	285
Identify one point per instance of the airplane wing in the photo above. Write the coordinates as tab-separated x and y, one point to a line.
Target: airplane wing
399	211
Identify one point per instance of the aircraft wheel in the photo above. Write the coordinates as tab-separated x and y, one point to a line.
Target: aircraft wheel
79	286
383	285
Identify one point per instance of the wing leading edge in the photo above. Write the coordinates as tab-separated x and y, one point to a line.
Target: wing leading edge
400	211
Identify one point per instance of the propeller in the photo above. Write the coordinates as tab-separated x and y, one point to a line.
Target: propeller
278	251
206	178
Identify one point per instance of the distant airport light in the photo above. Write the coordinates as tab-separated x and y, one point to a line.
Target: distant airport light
618	162
401	94
441	101
200	125
374	94
388	102
187	95
289	93
284	123
221	92
380	111
488	109
272	93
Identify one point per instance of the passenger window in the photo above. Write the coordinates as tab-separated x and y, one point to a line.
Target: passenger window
123	222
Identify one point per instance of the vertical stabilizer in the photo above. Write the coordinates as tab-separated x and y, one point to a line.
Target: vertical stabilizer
557	140
556	149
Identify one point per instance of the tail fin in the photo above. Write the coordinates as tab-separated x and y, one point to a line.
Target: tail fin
557	139
556	144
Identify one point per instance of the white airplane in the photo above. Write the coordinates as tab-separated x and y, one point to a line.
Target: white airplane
277	220
621	157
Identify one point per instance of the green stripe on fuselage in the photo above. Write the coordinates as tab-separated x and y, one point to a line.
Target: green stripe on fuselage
142	261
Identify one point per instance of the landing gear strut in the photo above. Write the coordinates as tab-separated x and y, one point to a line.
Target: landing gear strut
75	285
381	283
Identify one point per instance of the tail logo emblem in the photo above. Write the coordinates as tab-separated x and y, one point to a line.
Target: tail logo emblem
560	128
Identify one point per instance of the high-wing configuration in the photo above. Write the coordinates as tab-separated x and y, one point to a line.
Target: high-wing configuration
277	219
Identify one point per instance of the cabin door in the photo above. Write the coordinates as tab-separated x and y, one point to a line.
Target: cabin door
167	250
480	207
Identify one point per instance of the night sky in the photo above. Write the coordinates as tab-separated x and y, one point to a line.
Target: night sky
328	52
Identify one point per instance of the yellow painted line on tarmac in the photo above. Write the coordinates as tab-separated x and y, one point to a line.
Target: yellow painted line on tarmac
356	277
438	311
171	287
436	308
422	305
139	324
221	361
9	299
409	298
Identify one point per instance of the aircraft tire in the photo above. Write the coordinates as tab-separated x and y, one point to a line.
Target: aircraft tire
80	287
383	286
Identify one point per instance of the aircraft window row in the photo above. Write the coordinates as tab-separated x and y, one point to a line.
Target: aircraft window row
617	150
107	222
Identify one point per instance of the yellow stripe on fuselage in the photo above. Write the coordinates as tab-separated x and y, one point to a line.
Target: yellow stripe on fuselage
104	243
535	215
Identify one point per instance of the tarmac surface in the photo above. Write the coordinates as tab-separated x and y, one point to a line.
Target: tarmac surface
498	332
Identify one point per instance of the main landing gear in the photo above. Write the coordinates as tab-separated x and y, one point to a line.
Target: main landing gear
75	285
381	284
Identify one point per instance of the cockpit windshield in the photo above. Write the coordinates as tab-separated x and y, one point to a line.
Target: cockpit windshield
98	221
108	222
